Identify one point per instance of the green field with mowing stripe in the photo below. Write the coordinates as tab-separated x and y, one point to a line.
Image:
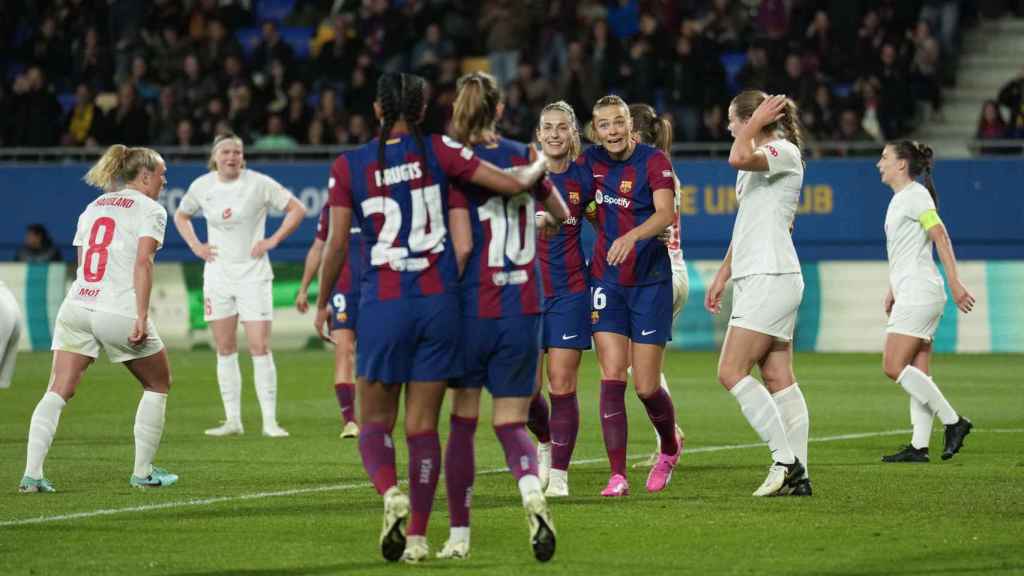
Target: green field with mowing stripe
302	505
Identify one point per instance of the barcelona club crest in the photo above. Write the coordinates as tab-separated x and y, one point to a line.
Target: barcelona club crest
342	317
574	197
594	316
625	187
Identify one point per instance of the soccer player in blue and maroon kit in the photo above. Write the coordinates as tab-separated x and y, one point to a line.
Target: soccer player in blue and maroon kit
566	281
396	188
631	280
501	299
345	313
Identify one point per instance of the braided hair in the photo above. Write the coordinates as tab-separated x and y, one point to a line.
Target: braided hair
920	160
400	96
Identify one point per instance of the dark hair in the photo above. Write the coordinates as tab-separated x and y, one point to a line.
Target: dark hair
747	101
400	96
981	117
919	158
44	236
476	106
652	129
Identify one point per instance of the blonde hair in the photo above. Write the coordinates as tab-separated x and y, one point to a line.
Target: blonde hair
575	145
747	101
610	100
120	165
475	109
226	137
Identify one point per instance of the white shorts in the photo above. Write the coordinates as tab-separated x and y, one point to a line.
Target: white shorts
680	291
10	333
84	331
767	303
919	320
251	301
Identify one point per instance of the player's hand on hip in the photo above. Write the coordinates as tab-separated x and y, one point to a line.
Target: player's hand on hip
713	296
323	315
138	335
620	249
302	302
262	247
964	299
206	252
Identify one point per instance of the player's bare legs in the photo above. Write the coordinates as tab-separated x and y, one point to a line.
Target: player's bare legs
741	350
264	374
344	371
154	374
563	366
229	375
906	360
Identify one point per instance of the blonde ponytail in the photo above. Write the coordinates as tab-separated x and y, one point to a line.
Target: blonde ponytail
475	109
790	124
119	165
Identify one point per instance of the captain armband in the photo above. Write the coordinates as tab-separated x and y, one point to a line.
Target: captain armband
929	219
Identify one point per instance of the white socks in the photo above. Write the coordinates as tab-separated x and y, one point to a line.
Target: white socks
762	413
229	379
921	420
265	376
793	411
921	387
529	484
41	431
149	427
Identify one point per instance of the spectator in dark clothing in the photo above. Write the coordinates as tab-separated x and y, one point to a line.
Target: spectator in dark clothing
851	130
359	94
327	112
895	103
337	57
36	113
194	88
216	45
47	48
242	115
233	72
92	63
714	128
685	89
824	111
271	48
169	53
516	122
213	115
795	83
297	115
1011	95
165	117
430	51
755	74
38	246
128	122
578	84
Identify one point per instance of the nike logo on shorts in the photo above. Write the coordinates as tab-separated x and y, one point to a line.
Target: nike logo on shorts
647	332
564	337
735	317
612	415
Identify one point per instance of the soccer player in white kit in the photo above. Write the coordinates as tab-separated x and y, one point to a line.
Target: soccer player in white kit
108	307
916	296
10	333
649	128
237	278
767	285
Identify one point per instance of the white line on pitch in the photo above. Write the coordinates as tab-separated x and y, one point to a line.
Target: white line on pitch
343	487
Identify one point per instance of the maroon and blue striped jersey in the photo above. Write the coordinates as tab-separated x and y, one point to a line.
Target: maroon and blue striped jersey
563	267
500	279
624	193
351	271
402	212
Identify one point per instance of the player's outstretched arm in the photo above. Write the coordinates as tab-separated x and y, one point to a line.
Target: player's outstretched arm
509	183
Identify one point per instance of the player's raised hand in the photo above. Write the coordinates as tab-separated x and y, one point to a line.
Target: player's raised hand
323	316
205	252
713	296
263	246
769	110
547	225
620	249
964	300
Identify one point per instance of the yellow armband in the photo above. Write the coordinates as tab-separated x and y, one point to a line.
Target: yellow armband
929	220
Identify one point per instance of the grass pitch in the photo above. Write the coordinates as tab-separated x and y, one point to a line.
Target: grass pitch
302	505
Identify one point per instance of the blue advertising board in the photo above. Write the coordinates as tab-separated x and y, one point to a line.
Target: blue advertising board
840	217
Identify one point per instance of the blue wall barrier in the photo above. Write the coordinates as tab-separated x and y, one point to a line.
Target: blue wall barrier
841	213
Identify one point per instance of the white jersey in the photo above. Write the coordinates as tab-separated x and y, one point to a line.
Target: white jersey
675	243
913	276
108	234
236	217
762	242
